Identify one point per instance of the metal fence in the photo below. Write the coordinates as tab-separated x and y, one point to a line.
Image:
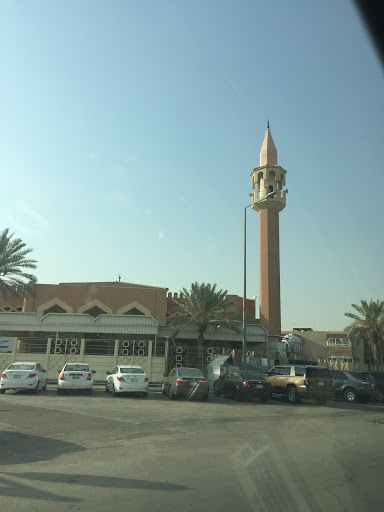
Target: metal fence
32	345
66	346
185	355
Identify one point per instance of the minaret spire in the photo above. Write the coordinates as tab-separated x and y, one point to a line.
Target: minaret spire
268	153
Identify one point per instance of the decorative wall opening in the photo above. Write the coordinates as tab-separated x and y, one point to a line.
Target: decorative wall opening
133	311
54	305
134	308
55	309
95	311
133	348
10	309
66	346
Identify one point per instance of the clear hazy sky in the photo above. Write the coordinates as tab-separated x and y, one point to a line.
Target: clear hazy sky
129	130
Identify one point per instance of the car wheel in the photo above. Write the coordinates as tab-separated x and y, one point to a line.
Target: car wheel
114	394
44	388
320	401
163	390
237	395
2	391
380	396
36	390
292	395
58	391
172	395
89	391
106	389
216	392
144	395
264	400
350	395
205	398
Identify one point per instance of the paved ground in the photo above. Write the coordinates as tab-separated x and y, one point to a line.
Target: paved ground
80	453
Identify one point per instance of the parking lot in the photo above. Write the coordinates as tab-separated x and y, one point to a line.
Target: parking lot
78	452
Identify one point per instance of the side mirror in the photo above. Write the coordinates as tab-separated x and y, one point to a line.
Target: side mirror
44	370
59	371
165	374
107	373
93	371
221	377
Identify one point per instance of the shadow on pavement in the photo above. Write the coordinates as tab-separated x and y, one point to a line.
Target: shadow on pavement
100	481
18	490
18	448
11	486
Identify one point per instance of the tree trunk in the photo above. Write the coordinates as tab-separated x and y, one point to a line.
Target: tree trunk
376	349
200	345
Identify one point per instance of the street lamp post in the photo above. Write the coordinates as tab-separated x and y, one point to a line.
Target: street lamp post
245	291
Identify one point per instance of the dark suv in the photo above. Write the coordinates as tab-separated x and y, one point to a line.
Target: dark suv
354	386
301	381
379	383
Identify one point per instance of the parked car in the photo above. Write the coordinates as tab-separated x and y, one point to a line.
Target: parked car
24	376
75	377
127	379
378	377
185	382
301	381
242	384
354	386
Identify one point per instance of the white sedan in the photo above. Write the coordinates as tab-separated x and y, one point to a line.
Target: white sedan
24	376
75	377
127	379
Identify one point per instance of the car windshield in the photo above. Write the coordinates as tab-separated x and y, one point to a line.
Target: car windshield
362	375
378	377
131	370
251	376
194	188
318	373
21	367
190	373
76	368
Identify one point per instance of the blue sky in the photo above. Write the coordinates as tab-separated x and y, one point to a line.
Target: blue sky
129	130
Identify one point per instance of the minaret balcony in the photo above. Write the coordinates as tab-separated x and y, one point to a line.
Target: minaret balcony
277	202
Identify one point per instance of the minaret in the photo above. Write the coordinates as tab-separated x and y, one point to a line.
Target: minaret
269	199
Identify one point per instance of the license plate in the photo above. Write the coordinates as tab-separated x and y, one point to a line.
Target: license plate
134	380
259	386
75	376
321	383
17	376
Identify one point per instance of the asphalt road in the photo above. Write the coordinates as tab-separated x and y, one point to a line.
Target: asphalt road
79	453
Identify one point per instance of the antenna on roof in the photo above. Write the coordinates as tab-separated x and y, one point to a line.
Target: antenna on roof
119	277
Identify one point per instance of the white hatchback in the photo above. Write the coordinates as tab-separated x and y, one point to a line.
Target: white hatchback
75	377
127	379
24	376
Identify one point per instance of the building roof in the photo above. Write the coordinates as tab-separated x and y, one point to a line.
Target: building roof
115	283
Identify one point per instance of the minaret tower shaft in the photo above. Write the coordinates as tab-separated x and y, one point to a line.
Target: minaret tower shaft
269	200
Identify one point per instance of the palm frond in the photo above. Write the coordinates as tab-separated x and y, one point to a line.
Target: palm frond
14	279
201	306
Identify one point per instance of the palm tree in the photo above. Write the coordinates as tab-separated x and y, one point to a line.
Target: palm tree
203	306
370	324
13	263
